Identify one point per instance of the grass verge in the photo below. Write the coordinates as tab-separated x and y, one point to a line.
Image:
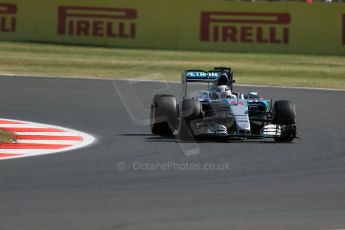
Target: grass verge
6	137
76	61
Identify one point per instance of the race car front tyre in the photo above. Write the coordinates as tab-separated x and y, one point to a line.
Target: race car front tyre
190	111
284	114
163	115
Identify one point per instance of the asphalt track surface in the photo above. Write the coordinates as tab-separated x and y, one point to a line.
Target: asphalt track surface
269	186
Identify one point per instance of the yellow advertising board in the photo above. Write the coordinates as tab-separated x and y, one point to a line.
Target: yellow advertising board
208	25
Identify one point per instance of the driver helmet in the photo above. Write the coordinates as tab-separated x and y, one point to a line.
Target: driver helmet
223	91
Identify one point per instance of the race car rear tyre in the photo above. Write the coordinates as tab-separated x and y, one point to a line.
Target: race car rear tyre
163	115
284	114
190	111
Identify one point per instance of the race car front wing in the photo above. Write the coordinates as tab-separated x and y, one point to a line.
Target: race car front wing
268	131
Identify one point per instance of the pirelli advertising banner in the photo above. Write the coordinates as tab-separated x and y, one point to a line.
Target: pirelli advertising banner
209	25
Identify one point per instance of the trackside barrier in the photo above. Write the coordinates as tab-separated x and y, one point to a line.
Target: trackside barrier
207	25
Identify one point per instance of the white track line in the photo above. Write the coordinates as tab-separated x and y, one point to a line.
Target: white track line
240	85
166	81
28	152
16	126
55	142
45	133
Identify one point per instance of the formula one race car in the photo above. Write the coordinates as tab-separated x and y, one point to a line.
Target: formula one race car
219	112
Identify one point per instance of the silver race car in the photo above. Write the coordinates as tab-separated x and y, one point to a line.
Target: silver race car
221	113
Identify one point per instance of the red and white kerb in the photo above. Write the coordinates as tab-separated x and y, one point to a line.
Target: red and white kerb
34	139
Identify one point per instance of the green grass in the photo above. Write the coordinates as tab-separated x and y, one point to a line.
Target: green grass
249	68
6	137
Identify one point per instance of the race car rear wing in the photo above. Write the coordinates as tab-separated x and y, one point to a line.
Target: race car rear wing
207	77
197	76
200	76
